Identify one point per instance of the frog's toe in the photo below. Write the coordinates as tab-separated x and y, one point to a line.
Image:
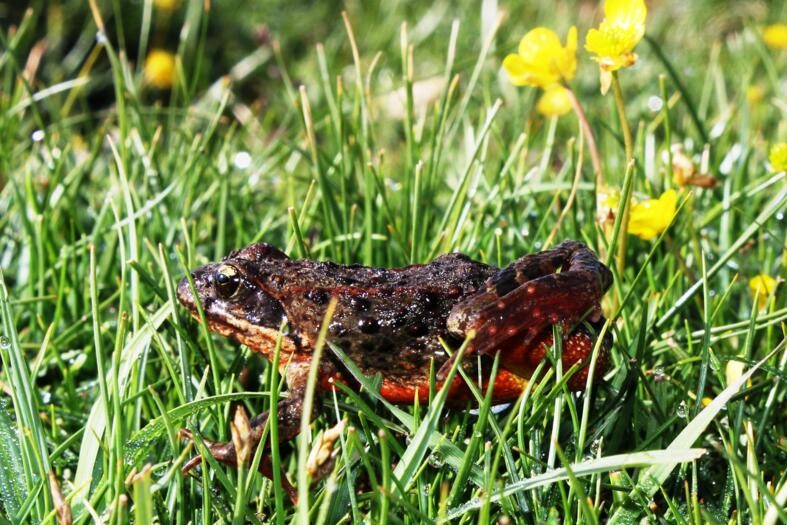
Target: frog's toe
221	452
190	465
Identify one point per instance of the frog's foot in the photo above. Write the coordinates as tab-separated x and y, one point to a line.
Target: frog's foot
247	437
225	452
513	313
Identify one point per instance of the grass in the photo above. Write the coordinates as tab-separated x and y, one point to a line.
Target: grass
363	139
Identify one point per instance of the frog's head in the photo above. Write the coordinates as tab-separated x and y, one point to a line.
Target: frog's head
234	301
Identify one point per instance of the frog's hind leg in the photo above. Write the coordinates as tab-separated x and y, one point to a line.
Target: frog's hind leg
518	304
289	421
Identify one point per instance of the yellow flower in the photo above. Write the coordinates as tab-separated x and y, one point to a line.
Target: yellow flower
167	5
761	287
160	69
706	401
541	60
775	36
554	102
778	157
651	217
755	94
619	33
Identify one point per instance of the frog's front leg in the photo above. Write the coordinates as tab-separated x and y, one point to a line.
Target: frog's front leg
515	309
289	415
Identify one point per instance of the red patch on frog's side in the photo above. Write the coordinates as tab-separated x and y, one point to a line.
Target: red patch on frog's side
577	348
507	387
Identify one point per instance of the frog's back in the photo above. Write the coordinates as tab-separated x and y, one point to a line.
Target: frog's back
386	320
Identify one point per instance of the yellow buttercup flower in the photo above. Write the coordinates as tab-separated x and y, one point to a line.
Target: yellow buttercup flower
775	36
159	69
541	59
755	94
651	217
778	157
761	287
621	30
555	102
167	5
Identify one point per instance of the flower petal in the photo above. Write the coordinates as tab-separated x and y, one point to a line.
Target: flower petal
554	102
536	41
571	40
778	157
761	287
618	34
775	36
518	71
651	217
626	13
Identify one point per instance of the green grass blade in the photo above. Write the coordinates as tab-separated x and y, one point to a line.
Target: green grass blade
654	476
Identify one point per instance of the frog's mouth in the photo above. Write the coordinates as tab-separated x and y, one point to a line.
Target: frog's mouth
258	338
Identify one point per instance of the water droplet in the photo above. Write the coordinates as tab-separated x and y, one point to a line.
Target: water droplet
242	160
101	37
780	216
683	410
38	135
5	343
655	104
436	461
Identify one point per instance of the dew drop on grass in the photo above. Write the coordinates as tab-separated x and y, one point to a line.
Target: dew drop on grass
655	104
436	461
683	410
5	343
37	135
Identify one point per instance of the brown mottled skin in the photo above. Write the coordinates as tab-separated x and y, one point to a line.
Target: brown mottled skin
390	321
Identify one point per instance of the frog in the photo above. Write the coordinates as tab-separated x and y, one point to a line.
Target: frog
400	323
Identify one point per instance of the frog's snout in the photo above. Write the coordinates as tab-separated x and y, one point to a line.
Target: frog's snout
203	287
184	292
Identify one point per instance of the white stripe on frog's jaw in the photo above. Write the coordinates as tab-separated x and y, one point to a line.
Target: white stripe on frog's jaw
258	338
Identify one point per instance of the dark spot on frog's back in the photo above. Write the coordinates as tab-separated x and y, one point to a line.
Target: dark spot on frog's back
368	325
266	311
360	304
317	296
337	329
417	328
427	300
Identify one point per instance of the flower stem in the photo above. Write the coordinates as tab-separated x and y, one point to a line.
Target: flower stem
595	158
624	124
628	144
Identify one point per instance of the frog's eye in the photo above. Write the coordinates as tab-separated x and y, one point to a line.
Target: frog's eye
227	281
